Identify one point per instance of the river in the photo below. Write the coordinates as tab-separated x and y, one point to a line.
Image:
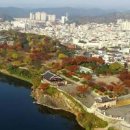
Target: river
18	112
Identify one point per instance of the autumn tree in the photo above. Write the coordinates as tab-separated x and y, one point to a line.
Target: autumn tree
86	76
80	59
44	86
56	66
68	61
127	82
82	89
118	88
124	75
109	87
72	68
125	78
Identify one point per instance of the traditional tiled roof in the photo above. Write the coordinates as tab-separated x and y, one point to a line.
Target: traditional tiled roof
49	76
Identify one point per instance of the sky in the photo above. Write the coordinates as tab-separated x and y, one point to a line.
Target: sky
104	4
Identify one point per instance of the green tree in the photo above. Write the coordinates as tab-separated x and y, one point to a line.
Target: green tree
103	69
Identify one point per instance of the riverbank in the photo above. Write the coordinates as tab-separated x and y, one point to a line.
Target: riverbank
57	99
66	103
5	72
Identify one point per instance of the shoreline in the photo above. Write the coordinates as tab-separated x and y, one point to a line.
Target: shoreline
15	76
6	73
59	109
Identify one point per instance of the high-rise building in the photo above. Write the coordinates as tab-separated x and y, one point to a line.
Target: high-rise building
43	16
32	16
51	18
38	16
125	25
64	19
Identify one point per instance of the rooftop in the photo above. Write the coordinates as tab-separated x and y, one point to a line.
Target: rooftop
104	99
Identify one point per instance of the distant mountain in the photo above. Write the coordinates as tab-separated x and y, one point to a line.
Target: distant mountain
79	15
108	18
74	11
13	12
20	12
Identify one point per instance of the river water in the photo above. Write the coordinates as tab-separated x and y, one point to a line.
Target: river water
18	112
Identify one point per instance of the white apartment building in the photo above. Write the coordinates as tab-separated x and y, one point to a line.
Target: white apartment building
64	19
32	16
124	24
43	16
38	16
51	18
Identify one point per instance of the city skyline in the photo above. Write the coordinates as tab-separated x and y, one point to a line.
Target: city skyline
106	4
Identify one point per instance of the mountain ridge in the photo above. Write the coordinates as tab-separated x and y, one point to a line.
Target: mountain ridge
79	15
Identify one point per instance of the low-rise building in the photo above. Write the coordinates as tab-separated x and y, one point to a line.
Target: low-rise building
105	102
52	78
85	70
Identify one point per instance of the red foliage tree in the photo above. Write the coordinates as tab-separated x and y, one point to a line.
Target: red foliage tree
127	83
102	89
118	88
56	66
86	76
82	89
102	84
72	68
97	60
68	61
44	86
109	87
18	46
124	75
80	59
71	73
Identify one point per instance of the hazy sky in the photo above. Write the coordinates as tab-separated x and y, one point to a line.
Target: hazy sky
112	4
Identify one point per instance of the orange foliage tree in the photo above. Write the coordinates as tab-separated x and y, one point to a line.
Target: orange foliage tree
125	77
82	89
86	76
81	59
72	68
118	88
44	86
